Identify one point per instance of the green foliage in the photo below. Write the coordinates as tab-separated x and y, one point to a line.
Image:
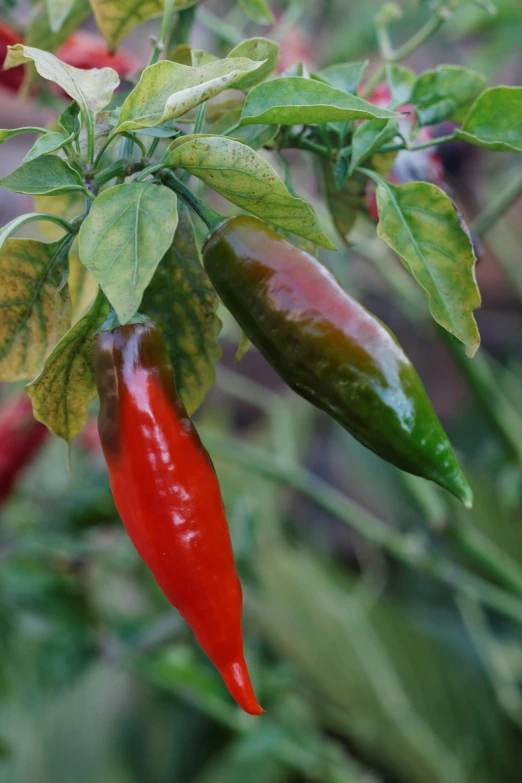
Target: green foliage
43	175
294	100
257	10
246	179
123	239
410	217
445	93
493	120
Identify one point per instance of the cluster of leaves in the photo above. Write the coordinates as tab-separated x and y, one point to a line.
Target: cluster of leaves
130	239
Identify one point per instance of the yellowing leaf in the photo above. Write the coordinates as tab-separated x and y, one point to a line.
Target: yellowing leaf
62	392
182	302
92	89
35	310
419	222
116	18
246	179
167	90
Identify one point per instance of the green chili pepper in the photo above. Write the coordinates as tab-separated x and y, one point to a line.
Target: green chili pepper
330	349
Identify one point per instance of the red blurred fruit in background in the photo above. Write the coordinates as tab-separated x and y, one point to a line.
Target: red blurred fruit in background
87	50
21	437
10	80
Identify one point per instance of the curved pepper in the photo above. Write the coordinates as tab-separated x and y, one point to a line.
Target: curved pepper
168	497
329	349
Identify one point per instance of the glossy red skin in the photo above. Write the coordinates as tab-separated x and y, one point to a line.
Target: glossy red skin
168	497
21	437
12	79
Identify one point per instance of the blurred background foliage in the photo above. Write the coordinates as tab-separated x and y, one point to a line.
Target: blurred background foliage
383	623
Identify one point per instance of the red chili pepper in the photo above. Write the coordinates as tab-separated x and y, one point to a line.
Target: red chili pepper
168	497
13	78
21	437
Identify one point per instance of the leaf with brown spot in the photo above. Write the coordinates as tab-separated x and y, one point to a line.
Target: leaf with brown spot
183	303
61	394
34	307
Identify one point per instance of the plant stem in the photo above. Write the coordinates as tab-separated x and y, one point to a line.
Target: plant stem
181	32
219	27
422	35
200	117
148	170
137	141
498	206
211	219
159	46
152	149
309	145
120	168
373	529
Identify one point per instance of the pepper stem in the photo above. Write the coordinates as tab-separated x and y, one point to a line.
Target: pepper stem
211	219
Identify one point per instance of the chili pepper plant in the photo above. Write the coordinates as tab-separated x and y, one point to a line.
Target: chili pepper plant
174	208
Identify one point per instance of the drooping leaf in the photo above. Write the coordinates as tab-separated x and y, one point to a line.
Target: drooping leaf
344	76
39	32
245	178
91	89
117	18
258	11
18	222
8	133
167	90
419	222
35	308
400	81
126	234
51	142
57	12
493	121
259	50
61	394
370	137
445	93
182	302
46	174
294	100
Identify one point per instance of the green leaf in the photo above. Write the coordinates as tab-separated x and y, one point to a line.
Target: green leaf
167	90
46	174
69	119
126	234
57	12
35	307
419	222
39	32
51	142
258	11
245	178
445	93
244	346
61	394
494	120
400	81
182	302
369	137
6	134
258	50
345	203
91	89
117	18
344	76
294	100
